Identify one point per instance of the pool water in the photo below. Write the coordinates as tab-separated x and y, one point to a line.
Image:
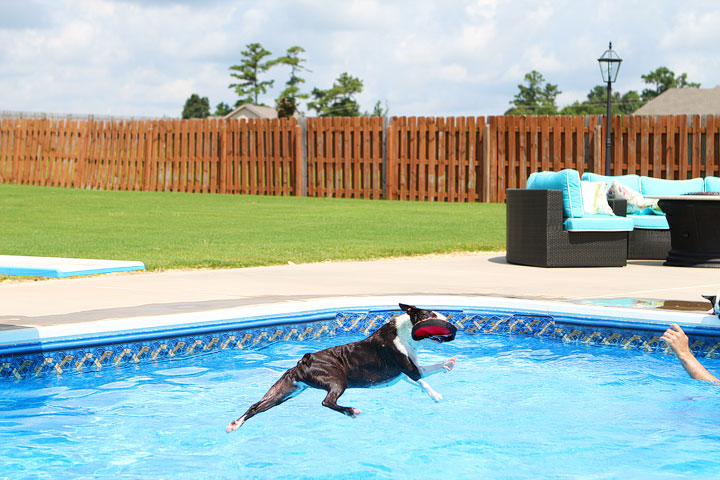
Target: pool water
514	407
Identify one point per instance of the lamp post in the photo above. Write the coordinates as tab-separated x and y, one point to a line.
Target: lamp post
609	67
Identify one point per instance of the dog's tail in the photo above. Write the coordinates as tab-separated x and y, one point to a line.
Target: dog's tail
284	389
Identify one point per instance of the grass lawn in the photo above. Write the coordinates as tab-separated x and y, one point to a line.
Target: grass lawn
182	230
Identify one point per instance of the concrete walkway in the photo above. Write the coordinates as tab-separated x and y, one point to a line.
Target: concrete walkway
125	295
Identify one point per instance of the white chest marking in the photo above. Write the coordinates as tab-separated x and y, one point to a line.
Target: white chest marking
404	342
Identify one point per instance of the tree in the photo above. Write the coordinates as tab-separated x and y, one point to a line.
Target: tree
338	101
196	107
663	79
378	110
222	109
596	103
250	86
537	98
287	102
630	102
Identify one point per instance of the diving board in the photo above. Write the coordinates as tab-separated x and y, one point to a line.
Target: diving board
62	267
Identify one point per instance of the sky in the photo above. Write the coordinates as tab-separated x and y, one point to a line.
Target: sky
418	57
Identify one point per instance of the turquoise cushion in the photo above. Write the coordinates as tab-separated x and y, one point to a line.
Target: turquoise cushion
630	181
599	223
568	181
712	184
659	186
650	222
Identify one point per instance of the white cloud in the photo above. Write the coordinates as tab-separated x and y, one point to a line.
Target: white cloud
693	29
454	73
482	8
426	57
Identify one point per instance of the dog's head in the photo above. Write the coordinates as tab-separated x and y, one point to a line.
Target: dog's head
429	324
715	301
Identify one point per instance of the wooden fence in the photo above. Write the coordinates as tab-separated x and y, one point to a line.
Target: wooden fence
673	147
455	159
436	159
202	156
345	157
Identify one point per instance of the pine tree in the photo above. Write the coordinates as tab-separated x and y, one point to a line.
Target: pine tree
250	86
537	98
287	102
339	100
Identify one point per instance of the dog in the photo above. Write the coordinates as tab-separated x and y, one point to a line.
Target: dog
715	301
378	360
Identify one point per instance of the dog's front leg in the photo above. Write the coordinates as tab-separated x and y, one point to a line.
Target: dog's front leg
433	394
426	370
445	366
426	388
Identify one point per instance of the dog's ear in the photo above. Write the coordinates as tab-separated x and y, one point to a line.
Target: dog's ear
406	308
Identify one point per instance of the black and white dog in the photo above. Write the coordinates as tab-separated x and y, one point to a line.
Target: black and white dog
715	301
379	359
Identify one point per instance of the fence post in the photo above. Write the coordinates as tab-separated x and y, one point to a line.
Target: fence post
148	152
388	160
486	163
597	149
304	155
300	157
83	144
223	156
16	156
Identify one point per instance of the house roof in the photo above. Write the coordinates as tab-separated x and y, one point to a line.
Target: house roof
255	111
683	101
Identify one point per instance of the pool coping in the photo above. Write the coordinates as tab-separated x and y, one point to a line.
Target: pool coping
81	347
251	316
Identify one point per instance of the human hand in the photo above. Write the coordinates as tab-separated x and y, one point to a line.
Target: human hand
676	339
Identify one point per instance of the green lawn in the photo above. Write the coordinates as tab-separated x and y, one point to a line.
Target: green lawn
182	230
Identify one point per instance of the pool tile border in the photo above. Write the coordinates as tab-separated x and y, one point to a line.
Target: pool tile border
566	327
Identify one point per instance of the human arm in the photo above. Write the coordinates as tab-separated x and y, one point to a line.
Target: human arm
678	342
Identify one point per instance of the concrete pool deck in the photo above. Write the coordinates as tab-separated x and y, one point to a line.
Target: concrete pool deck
46	303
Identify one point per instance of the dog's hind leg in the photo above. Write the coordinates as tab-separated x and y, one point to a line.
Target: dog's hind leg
284	389
330	401
335	383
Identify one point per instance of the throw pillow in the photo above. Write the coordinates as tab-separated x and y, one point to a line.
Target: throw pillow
636	203
595	198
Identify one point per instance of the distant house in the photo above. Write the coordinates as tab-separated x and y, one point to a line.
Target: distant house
248	110
683	101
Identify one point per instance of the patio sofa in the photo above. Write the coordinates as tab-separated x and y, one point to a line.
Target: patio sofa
650	237
548	225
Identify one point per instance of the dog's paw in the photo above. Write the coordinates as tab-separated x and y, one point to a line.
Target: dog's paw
352	412
234	425
435	396
449	364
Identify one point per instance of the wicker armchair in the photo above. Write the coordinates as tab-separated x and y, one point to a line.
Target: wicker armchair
535	234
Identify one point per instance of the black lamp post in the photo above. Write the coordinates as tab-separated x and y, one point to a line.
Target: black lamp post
609	67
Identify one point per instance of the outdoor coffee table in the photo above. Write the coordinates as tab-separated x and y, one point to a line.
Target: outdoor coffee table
694	221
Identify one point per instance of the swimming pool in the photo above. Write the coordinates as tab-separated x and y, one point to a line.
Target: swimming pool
545	399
